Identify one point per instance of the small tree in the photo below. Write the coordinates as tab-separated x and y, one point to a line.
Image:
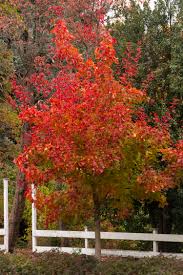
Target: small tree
87	133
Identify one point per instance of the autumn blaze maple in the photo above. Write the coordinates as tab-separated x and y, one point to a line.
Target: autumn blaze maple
91	135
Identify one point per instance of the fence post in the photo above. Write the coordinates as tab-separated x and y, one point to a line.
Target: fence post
86	240
6	219
155	243
34	220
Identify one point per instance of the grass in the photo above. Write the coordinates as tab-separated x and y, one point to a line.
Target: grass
55	263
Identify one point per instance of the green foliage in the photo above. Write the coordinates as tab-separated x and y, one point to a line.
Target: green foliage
159	31
6	68
9	144
7	8
9	123
9	147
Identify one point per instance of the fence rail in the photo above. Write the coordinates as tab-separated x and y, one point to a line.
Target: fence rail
107	252
2	232
153	237
111	235
5	231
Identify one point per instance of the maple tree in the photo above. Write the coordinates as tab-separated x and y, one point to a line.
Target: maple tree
91	135
174	156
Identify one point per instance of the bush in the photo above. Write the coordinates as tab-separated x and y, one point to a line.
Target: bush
54	263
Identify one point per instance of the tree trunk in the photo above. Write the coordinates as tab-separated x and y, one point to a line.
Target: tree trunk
97	225
19	199
17	211
165	228
64	242
97	239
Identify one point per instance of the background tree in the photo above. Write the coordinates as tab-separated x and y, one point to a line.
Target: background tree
9	123
159	33
25	27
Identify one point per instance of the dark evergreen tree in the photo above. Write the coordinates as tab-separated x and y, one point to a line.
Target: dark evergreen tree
159	31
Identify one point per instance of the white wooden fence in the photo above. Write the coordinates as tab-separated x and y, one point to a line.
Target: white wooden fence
5	231
152	237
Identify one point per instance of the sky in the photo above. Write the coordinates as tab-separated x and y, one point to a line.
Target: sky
110	14
152	3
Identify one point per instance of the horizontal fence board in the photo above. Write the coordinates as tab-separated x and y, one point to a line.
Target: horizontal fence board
107	252
141	236
174	255
111	235
2	232
65	234
89	251
2	247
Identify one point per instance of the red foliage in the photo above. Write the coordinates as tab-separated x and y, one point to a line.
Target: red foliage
81	130
130	62
93	108
174	156
158	180
28	26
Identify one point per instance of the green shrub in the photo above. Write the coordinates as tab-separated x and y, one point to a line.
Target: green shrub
54	263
